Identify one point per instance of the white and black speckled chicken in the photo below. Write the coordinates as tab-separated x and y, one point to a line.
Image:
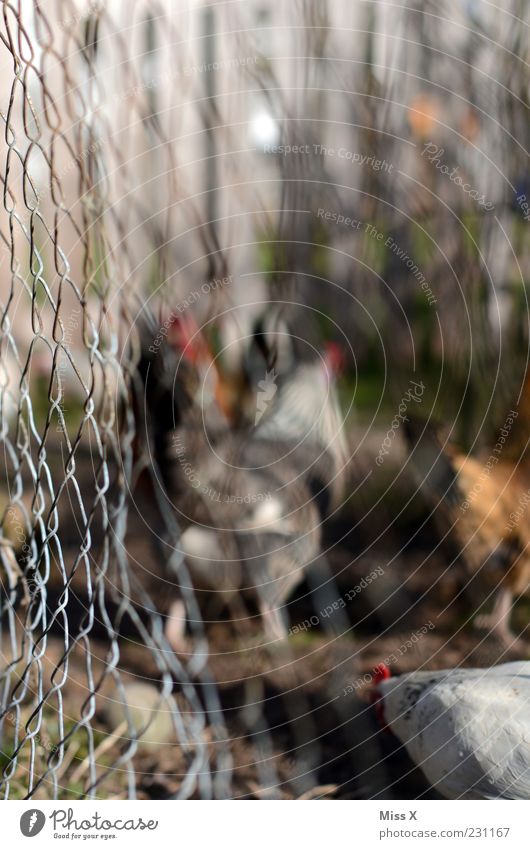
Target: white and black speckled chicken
467	729
250	501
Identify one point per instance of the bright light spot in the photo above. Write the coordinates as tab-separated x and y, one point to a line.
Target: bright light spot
264	130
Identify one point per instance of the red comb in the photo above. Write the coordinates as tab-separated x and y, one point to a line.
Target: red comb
185	335
181	329
334	357
381	673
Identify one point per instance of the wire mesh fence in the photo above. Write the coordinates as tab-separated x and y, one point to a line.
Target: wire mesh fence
288	167
75	616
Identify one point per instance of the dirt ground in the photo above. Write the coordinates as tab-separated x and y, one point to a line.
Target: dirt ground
299	714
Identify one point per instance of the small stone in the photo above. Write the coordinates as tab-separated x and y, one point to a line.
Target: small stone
143	704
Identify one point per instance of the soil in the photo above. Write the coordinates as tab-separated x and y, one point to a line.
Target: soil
299	714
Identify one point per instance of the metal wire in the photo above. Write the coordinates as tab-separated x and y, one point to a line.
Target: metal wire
69	264
95	99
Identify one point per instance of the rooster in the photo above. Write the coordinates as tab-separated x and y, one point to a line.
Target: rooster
482	501
251	500
467	729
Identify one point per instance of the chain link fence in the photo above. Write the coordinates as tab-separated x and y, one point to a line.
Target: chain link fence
206	159
86	668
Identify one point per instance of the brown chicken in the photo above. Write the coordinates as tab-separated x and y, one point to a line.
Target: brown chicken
483	504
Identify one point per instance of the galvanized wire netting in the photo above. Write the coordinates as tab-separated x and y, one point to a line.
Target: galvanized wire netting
296	150
77	619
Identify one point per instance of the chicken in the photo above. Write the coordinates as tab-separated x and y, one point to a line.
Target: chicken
251	533
467	729
482	503
251	501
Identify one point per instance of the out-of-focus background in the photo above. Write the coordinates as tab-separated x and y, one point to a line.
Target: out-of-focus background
357	166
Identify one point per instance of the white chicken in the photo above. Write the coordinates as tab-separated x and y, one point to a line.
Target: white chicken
467	729
251	501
